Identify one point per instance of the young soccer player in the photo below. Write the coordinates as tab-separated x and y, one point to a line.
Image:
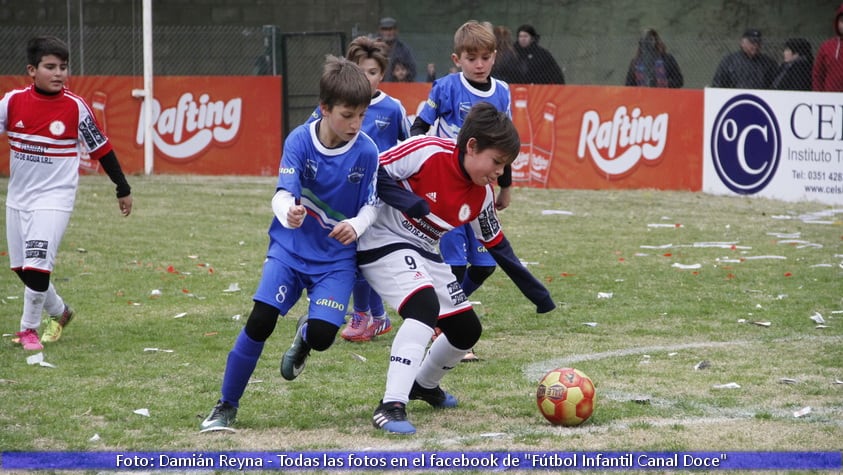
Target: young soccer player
398	255
324	200
387	124
449	99
48	128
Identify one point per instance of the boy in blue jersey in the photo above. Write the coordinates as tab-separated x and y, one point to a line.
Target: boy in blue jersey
324	200
449	101
387	124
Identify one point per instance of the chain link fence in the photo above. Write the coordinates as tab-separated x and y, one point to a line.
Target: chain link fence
233	50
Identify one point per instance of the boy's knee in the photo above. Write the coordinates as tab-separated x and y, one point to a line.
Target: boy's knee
320	334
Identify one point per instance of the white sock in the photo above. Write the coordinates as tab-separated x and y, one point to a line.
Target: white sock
441	358
405	359
33	306
53	305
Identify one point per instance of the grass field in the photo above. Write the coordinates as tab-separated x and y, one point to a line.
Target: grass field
687	275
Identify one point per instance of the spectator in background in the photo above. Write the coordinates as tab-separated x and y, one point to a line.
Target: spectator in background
652	65
795	72
828	68
400	72
748	68
535	64
506	61
398	51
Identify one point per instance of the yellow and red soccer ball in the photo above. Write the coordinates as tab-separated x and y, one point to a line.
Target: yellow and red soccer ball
566	397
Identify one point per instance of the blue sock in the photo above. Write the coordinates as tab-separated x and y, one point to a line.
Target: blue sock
361	295
376	304
241	364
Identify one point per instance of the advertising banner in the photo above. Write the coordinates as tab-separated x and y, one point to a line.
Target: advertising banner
209	125
785	145
598	137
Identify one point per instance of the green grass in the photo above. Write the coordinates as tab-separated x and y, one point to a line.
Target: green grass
191	238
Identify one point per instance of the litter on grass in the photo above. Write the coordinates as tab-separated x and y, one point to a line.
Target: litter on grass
702	365
590	324
358	357
686	266
802	412
38	359
604	295
788	381
818	318
762	324
235	287
94	438
727	386
546	212
142	412
161	350
180	315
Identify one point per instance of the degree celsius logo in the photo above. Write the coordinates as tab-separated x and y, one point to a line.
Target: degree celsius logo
746	144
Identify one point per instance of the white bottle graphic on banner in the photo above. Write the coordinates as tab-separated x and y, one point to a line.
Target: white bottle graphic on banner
544	142
521	120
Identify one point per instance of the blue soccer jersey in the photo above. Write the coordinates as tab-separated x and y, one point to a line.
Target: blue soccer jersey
451	98
332	184
385	121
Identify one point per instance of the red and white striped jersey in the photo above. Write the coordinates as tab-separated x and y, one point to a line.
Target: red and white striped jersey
46	134
430	168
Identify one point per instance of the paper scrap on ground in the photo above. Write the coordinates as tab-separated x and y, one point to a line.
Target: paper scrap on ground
142	412
493	434
802	412
590	324
662	246
818	318
686	266
94	438
752	258
235	287
358	357
38	358
604	295
787	381
727	386
702	365
762	324
180	315
546	212
157	349
236	317
155	293
723	245
664	225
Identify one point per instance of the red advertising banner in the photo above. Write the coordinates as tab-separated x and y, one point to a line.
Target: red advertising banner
599	137
208	125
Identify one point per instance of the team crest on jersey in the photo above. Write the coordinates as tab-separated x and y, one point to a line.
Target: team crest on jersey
464	108
465	212
382	123
310	169
355	175
57	127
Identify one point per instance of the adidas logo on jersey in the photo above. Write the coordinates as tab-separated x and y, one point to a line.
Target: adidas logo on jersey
19	125
431	196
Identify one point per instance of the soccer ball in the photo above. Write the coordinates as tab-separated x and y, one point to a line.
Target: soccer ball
566	397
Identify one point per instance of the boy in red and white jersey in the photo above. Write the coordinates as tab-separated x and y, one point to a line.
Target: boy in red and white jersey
48	128
452	182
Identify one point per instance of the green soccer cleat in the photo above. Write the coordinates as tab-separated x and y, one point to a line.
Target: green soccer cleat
222	417
55	325
292	363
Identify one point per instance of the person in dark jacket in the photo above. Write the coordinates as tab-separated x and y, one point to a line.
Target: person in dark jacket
748	68
795	72
652	65
506	61
828	67
399	52
535	64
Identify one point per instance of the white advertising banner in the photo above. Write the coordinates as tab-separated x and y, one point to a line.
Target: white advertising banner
784	145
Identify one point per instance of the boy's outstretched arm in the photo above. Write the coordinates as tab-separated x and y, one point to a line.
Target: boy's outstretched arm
393	194
524	280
